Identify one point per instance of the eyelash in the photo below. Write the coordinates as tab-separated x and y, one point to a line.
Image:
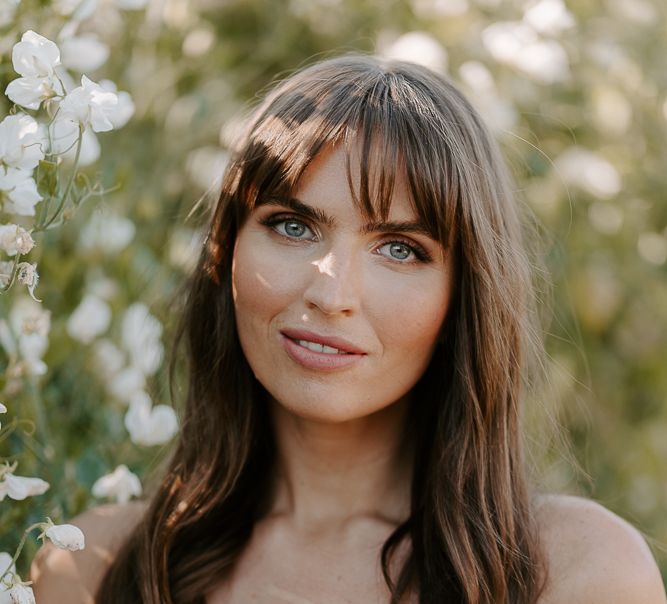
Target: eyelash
421	255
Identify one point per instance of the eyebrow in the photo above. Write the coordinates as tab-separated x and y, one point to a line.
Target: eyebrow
318	215
292	203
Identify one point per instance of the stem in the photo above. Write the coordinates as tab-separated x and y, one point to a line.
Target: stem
63	199
43	211
7	429
43	431
20	547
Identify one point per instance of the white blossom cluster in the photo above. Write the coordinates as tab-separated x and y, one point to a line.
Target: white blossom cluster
88	107
57	111
13	590
530	45
75	114
126	369
24	338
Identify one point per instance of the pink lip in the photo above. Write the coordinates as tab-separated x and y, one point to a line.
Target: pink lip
333	342
319	360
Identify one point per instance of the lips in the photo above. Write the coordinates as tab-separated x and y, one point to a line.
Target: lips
342	345
303	348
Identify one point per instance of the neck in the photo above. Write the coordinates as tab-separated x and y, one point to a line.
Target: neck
331	473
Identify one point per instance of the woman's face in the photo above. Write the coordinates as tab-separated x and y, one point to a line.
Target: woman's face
337	317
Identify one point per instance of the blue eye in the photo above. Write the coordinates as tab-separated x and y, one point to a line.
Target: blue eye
401	252
292	228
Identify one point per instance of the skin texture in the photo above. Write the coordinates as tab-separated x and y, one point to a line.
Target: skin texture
594	556
337	280
343	476
60	577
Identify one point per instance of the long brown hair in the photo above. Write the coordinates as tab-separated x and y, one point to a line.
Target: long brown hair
471	530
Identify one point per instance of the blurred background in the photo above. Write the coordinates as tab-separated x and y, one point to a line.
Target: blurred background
575	92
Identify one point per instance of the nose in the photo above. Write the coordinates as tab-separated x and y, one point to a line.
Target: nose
334	287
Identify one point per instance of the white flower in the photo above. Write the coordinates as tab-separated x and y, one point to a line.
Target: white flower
20	487
19	190
90	319
79	10
20	142
32	348
6	564
124	109
64	135
150	426
14	238
419	47
120	485
35	58
124	384
83	53
27	317
517	44
109	360
206	165
7	10
141	333
107	231
588	171
102	287
91	105
477	77
549	17
66	536
29	92
652	247
3	409
27	275
498	112
21	593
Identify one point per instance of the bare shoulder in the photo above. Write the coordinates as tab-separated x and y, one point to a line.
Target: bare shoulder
63	576
594	556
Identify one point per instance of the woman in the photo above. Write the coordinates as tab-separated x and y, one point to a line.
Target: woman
357	329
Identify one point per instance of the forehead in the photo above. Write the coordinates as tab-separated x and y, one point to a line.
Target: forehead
335	176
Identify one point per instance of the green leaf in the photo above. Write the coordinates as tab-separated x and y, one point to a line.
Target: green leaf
47	178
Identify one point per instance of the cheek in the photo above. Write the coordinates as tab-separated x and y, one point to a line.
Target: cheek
262	286
411	318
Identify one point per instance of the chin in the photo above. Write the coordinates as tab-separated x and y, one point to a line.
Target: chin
321	409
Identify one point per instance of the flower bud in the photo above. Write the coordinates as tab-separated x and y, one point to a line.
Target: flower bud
14	238
121	485
21	594
27	275
66	536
